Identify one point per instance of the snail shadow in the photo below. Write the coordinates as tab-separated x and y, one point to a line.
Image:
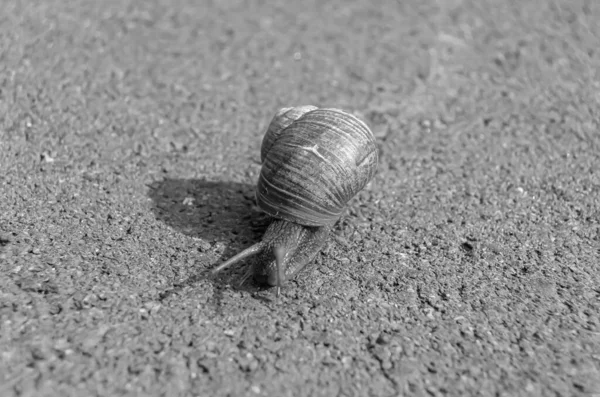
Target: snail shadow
213	212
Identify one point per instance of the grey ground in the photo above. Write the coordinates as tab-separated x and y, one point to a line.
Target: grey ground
473	265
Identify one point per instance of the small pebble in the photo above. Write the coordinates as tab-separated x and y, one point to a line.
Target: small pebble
382	339
203	246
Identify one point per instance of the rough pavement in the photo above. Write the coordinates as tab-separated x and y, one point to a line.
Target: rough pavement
473	264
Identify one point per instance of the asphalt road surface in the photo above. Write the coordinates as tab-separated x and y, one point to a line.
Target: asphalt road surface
130	134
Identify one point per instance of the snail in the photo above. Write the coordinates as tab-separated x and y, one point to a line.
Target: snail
314	160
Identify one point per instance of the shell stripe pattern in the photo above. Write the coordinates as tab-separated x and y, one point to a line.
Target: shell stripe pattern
315	165
282	119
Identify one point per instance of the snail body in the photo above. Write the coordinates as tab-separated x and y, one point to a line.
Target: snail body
314	160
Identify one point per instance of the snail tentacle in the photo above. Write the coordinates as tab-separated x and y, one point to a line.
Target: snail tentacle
245	277
252	250
279	257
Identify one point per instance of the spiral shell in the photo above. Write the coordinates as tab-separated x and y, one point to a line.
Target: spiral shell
314	160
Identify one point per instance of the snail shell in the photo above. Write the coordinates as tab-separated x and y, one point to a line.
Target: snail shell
314	160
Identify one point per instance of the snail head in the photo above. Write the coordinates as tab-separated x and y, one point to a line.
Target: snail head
286	248
270	268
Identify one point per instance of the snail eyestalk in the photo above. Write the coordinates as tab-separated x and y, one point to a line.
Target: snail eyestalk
253	250
279	257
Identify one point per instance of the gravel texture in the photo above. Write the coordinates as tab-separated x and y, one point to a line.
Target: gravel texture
129	149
